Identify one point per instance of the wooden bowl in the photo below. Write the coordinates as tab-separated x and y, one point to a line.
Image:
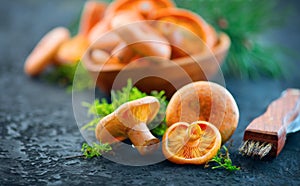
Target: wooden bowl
151	73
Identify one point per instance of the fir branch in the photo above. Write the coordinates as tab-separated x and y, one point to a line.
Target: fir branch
244	21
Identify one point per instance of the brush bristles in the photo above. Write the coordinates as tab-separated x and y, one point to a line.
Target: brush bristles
255	148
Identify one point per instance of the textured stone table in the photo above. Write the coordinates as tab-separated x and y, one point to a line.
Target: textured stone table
38	128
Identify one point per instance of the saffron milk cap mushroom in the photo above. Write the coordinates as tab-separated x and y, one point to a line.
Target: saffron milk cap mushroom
143	7
194	143
71	51
92	13
45	51
204	101
145	40
130	120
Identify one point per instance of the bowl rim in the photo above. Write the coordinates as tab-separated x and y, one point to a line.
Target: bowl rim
222	45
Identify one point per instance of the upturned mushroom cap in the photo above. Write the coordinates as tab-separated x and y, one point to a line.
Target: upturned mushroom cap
130	120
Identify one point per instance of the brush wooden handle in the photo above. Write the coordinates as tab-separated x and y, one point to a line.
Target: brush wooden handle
271	126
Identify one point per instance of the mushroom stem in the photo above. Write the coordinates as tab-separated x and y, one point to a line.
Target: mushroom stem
142	139
194	134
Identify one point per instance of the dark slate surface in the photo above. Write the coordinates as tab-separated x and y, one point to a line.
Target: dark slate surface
38	128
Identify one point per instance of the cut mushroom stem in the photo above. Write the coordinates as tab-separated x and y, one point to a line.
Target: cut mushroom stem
130	121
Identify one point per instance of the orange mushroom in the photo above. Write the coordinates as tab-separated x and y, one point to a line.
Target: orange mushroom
101	57
194	143
186	31
107	42
144	7
99	29
92	13
124	18
206	101
130	121
72	51
144	40
44	52
189	20
123	52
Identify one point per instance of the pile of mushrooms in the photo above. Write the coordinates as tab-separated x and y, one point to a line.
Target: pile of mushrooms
198	101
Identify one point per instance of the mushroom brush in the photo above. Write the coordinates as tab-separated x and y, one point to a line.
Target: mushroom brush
130	121
265	136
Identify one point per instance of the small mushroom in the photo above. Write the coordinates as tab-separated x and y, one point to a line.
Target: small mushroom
44	52
130	121
71	51
92	13
123	52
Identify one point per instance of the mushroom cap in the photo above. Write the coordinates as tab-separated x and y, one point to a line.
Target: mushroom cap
206	101
145	40
110	129
44	52
137	111
194	143
72	50
114	127
123	18
145	7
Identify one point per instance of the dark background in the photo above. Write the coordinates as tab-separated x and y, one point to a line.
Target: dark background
38	128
